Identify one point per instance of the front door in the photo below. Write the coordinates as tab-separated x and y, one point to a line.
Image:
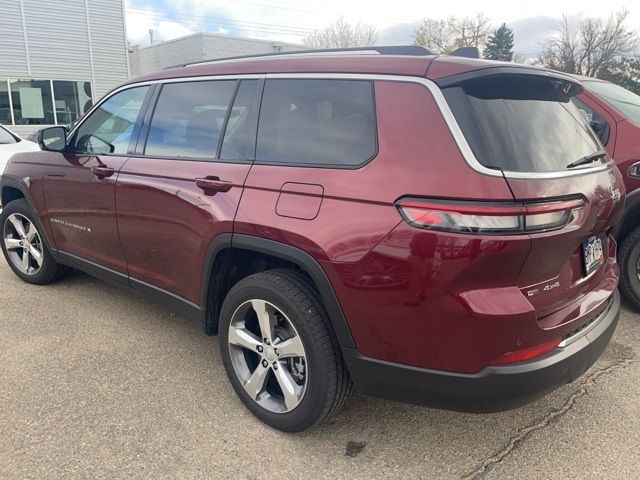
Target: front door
183	186
79	184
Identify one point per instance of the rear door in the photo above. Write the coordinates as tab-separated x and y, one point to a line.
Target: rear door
183	185
79	184
526	126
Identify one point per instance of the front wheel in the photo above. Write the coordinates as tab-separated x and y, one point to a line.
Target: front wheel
279	352
24	248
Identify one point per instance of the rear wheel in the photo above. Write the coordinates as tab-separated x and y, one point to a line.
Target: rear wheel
629	259
24	248
279	352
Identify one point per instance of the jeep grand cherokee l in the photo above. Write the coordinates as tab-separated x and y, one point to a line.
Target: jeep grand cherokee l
429	229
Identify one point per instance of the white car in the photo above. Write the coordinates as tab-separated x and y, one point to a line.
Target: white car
11	143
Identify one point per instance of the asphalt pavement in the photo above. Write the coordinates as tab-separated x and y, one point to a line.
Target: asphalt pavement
96	382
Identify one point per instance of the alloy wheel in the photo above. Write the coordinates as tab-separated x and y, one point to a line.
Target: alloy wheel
268	356
23	244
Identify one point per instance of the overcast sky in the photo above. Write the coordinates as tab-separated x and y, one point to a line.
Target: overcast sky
291	20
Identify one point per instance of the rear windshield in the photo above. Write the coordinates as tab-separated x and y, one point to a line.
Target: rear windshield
626	102
521	123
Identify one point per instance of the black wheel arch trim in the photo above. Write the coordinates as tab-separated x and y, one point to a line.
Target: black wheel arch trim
26	193
284	252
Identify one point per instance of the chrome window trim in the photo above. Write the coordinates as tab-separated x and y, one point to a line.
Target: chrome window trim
435	91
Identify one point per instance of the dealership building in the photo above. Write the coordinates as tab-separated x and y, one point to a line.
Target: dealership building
57	58
199	47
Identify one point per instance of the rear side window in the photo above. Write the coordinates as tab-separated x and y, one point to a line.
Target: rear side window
188	119
317	122
521	123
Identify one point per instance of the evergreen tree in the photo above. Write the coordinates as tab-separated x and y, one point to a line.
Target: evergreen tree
500	44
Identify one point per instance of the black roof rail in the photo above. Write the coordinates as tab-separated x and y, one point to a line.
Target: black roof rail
412	50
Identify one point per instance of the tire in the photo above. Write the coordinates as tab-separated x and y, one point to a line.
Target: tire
297	317
629	258
40	267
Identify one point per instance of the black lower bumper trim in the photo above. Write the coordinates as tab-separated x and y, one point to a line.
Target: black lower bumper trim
493	389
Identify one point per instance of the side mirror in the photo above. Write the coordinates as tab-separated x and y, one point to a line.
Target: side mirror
53	139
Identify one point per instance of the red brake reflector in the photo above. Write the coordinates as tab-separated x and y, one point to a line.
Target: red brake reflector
527	353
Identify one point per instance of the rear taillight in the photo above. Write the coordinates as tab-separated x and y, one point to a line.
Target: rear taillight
527	353
488	217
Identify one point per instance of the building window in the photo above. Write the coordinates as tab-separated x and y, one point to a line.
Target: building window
72	100
5	106
32	102
43	102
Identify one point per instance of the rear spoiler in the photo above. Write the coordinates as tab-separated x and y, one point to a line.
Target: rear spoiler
572	86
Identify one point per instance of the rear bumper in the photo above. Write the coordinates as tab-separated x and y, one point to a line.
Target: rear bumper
495	388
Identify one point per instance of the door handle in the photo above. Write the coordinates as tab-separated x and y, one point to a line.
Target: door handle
213	184
102	172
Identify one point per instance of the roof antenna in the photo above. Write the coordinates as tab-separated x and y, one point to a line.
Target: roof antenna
466	52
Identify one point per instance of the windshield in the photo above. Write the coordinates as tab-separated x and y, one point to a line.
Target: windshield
522	123
626	102
6	137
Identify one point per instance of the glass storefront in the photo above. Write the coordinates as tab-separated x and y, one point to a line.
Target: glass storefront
5	107
72	100
43	102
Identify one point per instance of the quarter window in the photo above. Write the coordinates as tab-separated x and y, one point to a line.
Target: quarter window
188	119
319	122
109	127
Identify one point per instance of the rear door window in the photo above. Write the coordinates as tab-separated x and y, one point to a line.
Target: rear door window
521	123
317	122
188	119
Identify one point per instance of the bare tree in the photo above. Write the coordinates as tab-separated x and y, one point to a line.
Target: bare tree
342	34
591	47
451	33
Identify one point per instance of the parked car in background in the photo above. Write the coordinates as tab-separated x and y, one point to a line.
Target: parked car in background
614	113
11	143
430	229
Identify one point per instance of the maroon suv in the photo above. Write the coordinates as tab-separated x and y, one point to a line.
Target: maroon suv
614	114
429	229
